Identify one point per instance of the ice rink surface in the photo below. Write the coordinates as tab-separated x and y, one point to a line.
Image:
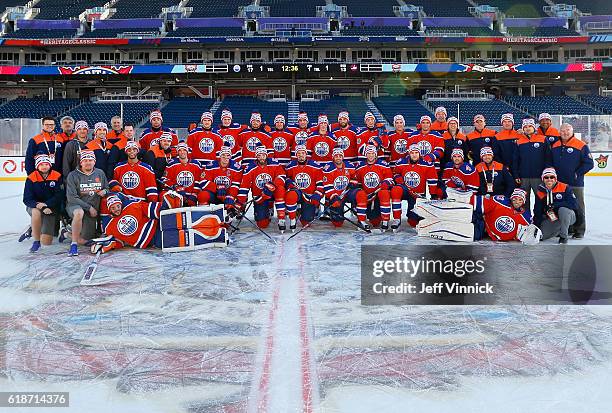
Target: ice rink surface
258	327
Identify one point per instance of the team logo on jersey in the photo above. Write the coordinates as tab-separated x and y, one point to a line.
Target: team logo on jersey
262	179
424	147
52	184
302	180
536	145
487	140
301	138
279	144
343	143
371	180
460	142
504	224
229	139
185	178
127	225
130	180
321	149
341	182
253	143
558	196
401	146
412	179
570	150
457	181
223	180
207	145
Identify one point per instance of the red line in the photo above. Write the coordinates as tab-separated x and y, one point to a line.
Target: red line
306	374
265	373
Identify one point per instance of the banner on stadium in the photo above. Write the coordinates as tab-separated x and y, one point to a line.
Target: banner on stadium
12	168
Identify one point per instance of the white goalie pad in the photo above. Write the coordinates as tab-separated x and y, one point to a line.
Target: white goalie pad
446	230
458	195
444	210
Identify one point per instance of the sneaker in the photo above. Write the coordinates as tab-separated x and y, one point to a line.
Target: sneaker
292	224
74	250
26	234
384	226
281	225
35	246
562	240
63	235
366	227
395	224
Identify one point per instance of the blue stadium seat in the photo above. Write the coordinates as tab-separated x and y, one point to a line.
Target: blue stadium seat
64	9
541	31
242	106
41	34
523	8
11	3
378	31
491	109
456	8
471	31
335	104
365	8
407	106
35	108
555	105
130	9
292	8
94	112
111	33
182	111
594	7
602	103
206	32
225	8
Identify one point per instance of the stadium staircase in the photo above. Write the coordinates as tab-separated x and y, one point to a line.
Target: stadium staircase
293	108
379	117
215	106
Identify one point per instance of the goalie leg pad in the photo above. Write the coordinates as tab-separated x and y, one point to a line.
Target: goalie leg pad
444	210
446	230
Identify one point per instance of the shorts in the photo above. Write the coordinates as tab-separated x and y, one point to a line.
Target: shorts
50	223
89	228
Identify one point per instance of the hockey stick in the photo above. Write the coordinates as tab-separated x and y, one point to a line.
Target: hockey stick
255	225
308	224
236	226
359	226
91	269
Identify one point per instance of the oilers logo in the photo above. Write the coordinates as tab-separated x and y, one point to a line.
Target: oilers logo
130	180
504	224
457	181
341	183
262	179
302	180
185	178
127	225
229	139
207	145
223	180
343	143
401	146
301	138
253	143
279	144
424	147
371	180
321	149
412	179
536	145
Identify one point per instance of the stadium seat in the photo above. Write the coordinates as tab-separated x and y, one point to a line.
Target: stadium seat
593	7
206	32
41	34
36	108
491	109
291	8
457	8
94	112
130	9
541	31
365	8
242	106
559	105
332	106
110	33
182	111
378	31
65	9
407	106
513	8
471	31
602	103
207	8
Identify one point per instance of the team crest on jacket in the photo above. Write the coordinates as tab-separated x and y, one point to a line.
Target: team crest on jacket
130	180
127	225
343	143
536	145
321	148
301	137
570	150
412	179
371	180
262	179
223	180
558	196
424	147
184	178
341	182
279	144
504	224
487	140
302	180
229	139
401	146
206	145
460	142
253	143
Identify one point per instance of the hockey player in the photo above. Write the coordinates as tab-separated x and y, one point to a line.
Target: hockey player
460	174
304	185
221	180
506	140
398	140
203	142
229	131
453	139
545	128
321	142
133	177
282	141
412	176
72	150
100	147
160	155
336	178
439	126
149	136
495	178
373	182
183	175
253	137
47	142
346	136
555	207
430	145
372	134
302	132
265	178
479	137
531	157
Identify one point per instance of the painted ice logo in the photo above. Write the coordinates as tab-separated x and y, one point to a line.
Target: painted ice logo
341	182
302	180
504	224
343	143
424	147
223	180
229	140
130	180
253	143
207	145
371	180
279	144
301	138
401	146
321	149
127	225
536	145
412	179
185	178
457	181
262	179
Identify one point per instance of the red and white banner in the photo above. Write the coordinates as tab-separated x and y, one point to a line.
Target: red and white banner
12	168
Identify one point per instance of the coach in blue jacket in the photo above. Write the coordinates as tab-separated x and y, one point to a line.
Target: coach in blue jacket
572	159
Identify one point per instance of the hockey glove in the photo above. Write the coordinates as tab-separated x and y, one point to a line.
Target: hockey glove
430	157
335	201
386	185
353	184
268	190
315	199
398	179
172	200
221	191
103	244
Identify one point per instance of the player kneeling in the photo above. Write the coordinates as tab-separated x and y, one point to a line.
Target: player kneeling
304	185
221	180
336	178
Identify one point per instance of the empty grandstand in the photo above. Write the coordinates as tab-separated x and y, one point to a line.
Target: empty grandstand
207	8
182	111
34	108
93	112
290	8
407	106
562	105
466	108
64	9
131	9
331	106
601	103
243	106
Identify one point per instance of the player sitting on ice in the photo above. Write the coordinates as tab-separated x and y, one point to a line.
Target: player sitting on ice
265	179
556	207
336	178
372	190
221	180
182	175
412	176
304	184
459	174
